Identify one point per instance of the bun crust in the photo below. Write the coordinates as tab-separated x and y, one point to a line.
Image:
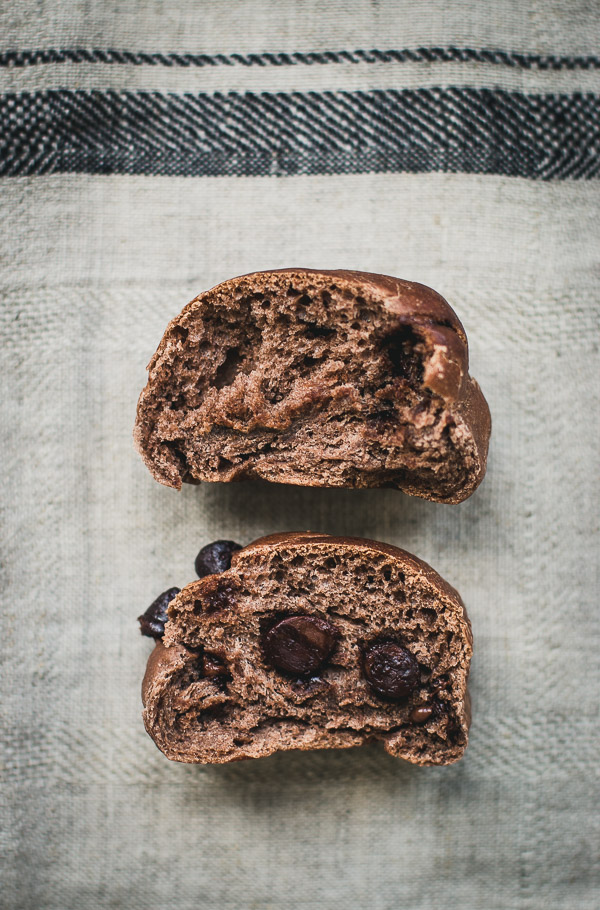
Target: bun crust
385	641
317	378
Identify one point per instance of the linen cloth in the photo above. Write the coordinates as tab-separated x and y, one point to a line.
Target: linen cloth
151	150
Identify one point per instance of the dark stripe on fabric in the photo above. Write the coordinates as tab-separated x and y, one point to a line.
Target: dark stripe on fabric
458	130
514	59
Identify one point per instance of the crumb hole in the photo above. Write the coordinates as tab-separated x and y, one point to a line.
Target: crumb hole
314	330
403	352
180	333
309	361
228	369
173	446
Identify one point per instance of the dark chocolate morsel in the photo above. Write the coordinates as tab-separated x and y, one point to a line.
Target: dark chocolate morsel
392	670
152	622
420	714
300	644
215	557
218	596
213	665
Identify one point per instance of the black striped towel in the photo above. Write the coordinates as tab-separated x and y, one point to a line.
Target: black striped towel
150	149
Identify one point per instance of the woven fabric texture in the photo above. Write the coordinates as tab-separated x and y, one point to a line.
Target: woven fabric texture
149	151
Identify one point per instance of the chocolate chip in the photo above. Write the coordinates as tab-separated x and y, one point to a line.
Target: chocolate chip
420	714
391	669
152	622
214	668
215	557
300	644
217	596
212	665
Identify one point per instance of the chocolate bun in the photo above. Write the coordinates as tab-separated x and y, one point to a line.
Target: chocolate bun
328	379
309	642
